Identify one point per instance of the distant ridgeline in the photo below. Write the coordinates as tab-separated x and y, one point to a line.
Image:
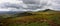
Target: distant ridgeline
28	13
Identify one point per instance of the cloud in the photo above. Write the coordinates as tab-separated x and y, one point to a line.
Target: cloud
9	5
31	1
29	5
19	6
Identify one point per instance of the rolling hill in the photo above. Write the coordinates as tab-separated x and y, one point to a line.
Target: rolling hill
40	18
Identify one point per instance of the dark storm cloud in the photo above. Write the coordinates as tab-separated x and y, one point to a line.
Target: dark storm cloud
35	4
31	1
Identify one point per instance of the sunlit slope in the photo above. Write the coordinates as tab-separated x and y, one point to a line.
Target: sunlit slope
41	18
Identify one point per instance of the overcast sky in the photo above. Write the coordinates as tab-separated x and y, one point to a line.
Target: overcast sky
29	5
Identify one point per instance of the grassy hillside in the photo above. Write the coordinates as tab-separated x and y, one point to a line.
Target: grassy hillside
40	18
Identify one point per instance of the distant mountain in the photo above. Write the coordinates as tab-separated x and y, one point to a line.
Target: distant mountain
10	12
18	12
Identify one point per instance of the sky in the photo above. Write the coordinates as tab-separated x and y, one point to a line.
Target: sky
29	5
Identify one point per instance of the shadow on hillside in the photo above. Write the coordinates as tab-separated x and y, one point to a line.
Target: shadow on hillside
23	14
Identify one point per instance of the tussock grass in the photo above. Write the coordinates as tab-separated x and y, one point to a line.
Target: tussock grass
49	18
